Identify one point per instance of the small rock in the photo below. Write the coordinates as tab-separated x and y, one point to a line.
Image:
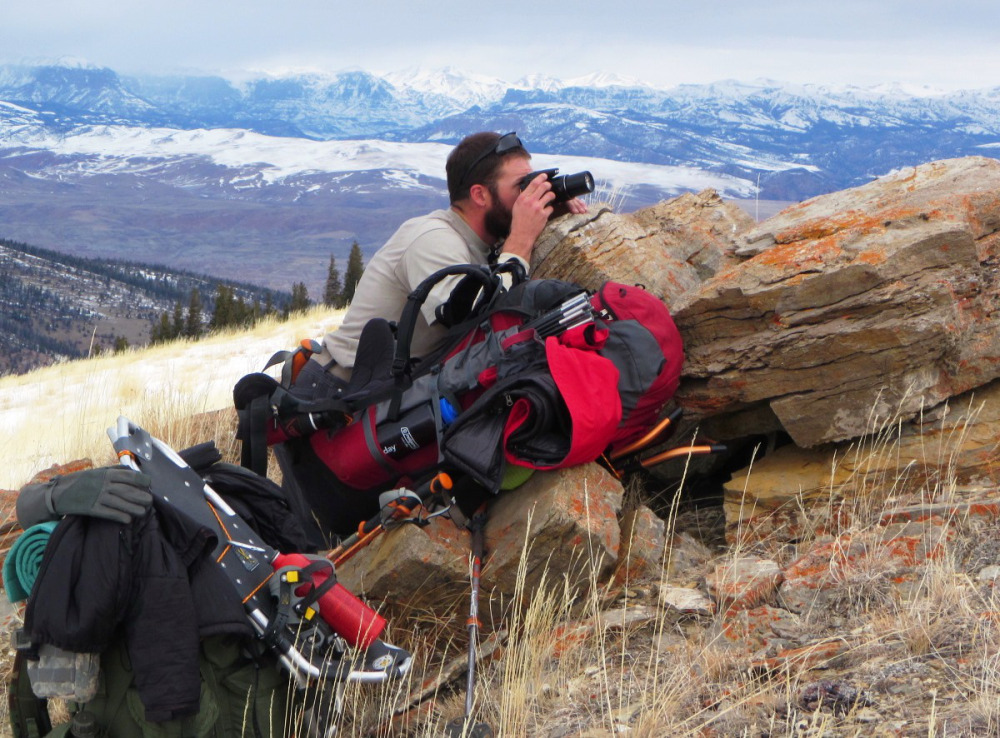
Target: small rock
989	574
642	541
757	628
420	566
687	601
839	697
744	583
868	715
565	522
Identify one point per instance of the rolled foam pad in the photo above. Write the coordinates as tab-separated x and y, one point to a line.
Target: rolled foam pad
20	568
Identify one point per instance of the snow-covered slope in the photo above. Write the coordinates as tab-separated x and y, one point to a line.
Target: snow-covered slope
257	160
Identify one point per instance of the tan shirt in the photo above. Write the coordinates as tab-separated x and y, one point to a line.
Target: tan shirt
420	247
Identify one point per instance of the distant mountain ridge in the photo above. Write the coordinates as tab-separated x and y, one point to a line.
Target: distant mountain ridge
800	139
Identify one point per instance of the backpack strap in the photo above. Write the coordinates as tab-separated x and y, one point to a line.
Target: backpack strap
469	298
401	363
293	360
252	397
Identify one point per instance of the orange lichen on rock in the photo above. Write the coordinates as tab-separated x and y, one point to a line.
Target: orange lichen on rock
803	658
58	470
796	255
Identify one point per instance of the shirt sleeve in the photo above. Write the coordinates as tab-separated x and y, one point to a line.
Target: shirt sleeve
429	252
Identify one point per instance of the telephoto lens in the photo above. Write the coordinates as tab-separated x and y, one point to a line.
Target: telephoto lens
569	186
566	186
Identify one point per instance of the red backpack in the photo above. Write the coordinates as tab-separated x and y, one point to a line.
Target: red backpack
646	348
543	375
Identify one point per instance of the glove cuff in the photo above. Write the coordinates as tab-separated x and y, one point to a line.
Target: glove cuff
34	505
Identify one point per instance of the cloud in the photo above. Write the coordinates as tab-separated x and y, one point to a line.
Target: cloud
920	41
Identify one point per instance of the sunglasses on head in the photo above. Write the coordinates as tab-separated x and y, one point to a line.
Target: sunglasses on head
507	142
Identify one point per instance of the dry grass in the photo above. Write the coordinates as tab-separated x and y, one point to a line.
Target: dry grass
60	412
922	657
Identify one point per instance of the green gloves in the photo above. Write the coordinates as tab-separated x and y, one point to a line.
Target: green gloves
113	493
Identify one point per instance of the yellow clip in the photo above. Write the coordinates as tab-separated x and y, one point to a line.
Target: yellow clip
292	576
309	614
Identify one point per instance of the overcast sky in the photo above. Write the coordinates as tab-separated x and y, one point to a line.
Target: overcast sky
948	45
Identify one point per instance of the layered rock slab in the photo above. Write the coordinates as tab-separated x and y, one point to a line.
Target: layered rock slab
559	529
882	299
941	457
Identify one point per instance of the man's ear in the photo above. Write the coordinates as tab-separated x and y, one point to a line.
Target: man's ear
480	195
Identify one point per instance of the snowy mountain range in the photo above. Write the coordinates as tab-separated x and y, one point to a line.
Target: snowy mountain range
802	140
317	160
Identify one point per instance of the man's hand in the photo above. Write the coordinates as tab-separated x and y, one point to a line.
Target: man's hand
576	206
113	493
530	213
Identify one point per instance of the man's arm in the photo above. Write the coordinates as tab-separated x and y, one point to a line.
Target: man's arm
429	253
530	214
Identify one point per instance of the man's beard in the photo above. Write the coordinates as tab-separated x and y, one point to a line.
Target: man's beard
498	218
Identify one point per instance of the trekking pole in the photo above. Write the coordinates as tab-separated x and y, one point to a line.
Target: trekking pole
401	508
569	314
464	726
673	453
658	433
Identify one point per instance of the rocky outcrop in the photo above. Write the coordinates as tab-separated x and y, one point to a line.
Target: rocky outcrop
840	319
671	248
796	493
883	299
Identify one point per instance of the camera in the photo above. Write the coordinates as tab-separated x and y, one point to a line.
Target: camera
566	186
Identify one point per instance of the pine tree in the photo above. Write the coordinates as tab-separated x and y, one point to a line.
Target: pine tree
222	316
334	292
355	268
300	298
177	329
193	327
242	315
121	344
160	332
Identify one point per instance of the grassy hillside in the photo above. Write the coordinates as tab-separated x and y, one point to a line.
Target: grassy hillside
61	412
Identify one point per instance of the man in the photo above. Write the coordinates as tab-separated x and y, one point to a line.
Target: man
489	215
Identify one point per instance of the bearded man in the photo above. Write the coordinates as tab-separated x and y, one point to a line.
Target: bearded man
490	217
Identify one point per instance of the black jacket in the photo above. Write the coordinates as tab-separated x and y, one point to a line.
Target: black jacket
152	579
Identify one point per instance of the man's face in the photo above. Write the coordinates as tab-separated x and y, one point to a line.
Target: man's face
503	193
